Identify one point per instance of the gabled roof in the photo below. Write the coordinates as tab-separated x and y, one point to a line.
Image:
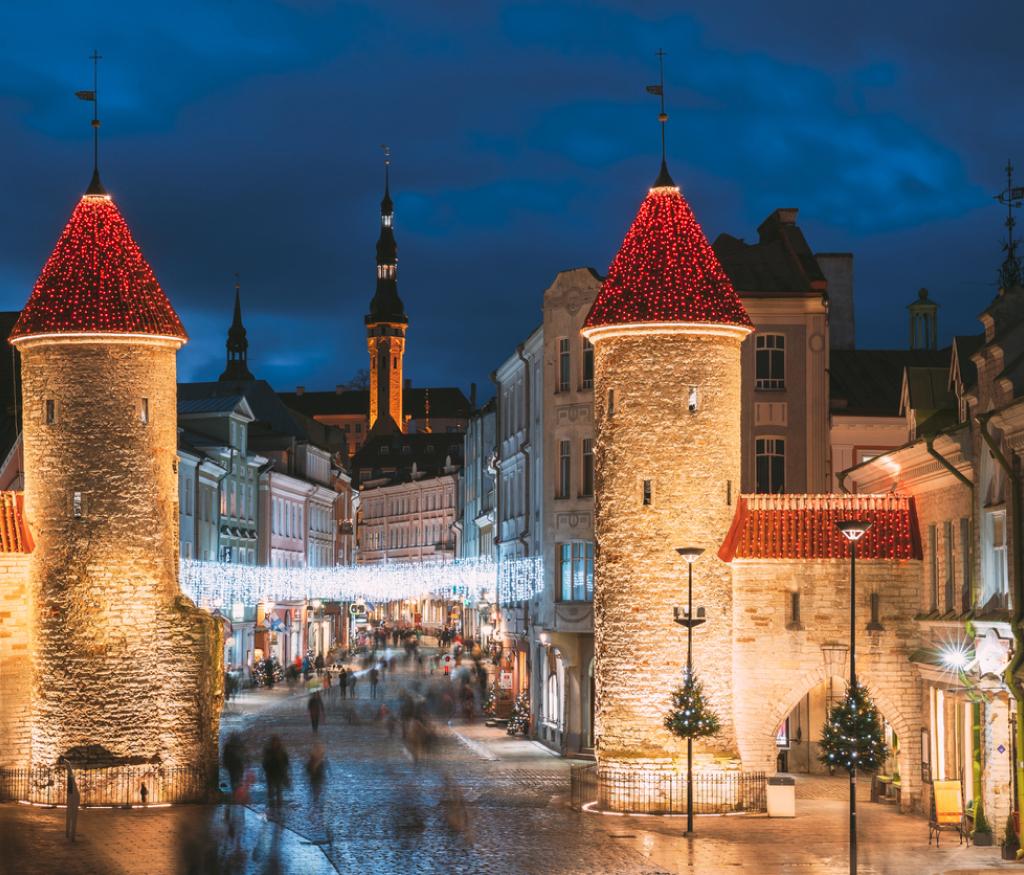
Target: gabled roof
14	533
964	346
214	404
804	527
868	382
666	271
97	281
391	456
780	263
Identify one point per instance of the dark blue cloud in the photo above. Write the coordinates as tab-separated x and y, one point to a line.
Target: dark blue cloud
246	137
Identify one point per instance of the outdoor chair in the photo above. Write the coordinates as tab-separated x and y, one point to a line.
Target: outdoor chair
947	811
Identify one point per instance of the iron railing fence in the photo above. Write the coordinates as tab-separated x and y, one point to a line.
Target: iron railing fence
665	793
118	786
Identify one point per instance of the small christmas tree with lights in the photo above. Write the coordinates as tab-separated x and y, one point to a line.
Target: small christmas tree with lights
491	703
691	715
852	737
519	722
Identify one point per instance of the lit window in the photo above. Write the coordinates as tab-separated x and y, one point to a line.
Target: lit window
51	411
588	467
770	361
563	364
692	400
770	464
588	364
564	468
576	571
994	567
76	505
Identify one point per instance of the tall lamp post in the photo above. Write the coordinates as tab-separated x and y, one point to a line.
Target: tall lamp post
853	531
685	617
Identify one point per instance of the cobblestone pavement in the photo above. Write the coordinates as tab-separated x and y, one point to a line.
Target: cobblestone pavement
380	812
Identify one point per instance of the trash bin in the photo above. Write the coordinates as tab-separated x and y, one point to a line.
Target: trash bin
781	796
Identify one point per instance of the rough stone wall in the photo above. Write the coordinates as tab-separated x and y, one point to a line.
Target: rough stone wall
997	767
118	651
386	345
693	463
774	666
15	660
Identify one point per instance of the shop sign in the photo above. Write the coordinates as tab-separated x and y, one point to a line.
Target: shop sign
505	680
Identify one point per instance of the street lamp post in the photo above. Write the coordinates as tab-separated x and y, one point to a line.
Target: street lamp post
685	617
853	531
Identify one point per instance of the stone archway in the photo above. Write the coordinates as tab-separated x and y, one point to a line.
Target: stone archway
760	747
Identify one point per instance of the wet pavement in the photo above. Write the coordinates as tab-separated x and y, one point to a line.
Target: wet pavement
381	812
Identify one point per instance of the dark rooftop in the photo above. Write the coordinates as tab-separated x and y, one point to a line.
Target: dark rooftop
445	403
868	382
391	457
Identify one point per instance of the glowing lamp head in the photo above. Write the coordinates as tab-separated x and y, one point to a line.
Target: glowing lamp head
690	554
545	639
956	657
853	530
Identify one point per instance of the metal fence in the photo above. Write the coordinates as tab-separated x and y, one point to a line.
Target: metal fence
665	793
119	786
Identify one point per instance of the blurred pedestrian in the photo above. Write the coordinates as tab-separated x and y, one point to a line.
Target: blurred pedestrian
318	664
73	801
343	683
453	802
316	710
374	679
316	770
275	768
353	679
233	758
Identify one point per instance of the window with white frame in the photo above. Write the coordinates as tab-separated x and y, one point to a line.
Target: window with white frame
564	369
996	579
576	571
770	361
770	464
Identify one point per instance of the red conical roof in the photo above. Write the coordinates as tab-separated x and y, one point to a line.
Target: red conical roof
97	281
666	271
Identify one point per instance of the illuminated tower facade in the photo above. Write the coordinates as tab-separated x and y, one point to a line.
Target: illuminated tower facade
126	669
386	324
666	327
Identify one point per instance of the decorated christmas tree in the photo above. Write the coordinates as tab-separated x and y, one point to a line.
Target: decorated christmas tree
519	722
691	715
852	737
491	703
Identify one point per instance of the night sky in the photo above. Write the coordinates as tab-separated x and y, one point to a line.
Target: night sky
244	136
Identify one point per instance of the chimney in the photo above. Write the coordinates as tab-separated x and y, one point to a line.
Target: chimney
472	396
299	390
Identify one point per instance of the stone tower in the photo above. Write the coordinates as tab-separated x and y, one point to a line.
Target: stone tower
126	669
385	326
666	328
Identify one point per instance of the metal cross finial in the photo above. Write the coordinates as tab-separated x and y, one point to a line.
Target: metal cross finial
1010	273
387	153
95	57
662	116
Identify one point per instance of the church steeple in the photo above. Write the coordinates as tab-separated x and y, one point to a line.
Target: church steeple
237	367
386	322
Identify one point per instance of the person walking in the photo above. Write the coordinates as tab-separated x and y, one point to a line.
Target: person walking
316	711
343	683
374	679
233	757
275	768
318	664
74	800
353	679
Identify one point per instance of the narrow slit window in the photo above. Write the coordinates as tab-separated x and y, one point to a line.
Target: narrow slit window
51	411
611	403
692	400
875	625
76	505
144	411
647	493
794	611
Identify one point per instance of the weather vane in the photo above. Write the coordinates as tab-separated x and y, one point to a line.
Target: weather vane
659	90
93	96
1010	273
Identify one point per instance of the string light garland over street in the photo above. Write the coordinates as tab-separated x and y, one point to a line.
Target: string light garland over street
221	585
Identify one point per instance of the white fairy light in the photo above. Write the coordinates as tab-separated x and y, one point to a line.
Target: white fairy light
221	585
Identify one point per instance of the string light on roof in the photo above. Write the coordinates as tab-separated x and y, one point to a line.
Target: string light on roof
666	271
97	281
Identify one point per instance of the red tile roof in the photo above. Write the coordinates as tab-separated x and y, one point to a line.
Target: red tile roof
666	271
14	534
97	281
804	527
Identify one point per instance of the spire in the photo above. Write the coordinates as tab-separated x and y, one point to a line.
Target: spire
664	179
95	186
237	367
386	306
